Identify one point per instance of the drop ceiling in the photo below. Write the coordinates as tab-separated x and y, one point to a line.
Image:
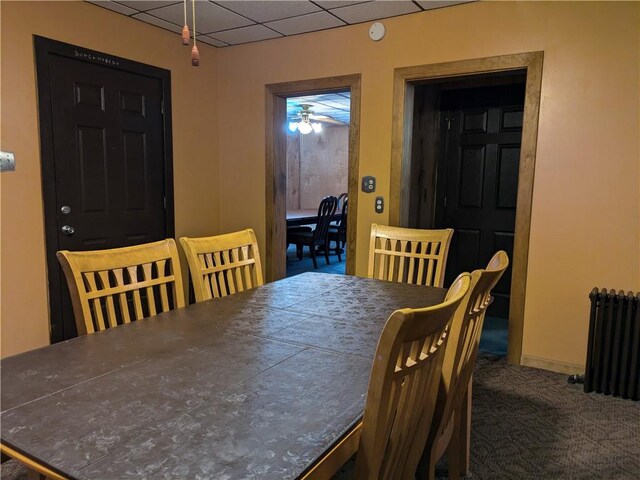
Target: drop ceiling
328	108
232	22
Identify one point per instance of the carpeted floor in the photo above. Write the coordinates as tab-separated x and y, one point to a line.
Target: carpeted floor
530	424
494	337
295	266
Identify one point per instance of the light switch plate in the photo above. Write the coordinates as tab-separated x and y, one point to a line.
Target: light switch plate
379	204
7	162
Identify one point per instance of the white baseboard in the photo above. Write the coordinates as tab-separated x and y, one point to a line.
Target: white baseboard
551	365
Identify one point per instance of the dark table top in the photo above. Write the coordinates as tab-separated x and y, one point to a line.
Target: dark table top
255	385
307	217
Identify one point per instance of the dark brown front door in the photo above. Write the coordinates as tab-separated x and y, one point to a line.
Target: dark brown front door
483	129
109	169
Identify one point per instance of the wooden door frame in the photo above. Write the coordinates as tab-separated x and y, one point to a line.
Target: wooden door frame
276	164
43	48
403	94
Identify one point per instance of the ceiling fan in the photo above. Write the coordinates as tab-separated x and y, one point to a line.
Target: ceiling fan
305	126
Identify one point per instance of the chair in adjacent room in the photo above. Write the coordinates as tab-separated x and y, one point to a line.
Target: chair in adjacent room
115	286
319	237
450	430
338	233
222	265
341	199
408	255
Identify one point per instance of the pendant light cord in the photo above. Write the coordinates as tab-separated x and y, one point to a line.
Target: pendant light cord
193	11
185	11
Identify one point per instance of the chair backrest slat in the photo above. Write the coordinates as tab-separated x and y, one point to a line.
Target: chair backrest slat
223	265
408	255
108	283
402	388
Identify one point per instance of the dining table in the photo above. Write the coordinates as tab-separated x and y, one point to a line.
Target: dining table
307	216
260	384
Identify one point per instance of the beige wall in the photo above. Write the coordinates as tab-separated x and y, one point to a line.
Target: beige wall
24	309
586	208
317	167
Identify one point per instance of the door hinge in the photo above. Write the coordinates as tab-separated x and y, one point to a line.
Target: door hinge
162	107
164	202
448	124
445	202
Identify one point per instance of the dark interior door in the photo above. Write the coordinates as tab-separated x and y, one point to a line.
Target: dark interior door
109	165
483	130
109	159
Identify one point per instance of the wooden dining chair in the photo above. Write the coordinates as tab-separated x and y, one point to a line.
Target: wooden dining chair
319	237
403	386
223	264
122	284
450	430
408	255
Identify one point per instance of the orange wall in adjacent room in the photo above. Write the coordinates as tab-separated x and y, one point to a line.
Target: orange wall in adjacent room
585	227
24	310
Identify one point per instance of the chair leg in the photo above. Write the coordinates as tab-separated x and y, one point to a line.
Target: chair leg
299	250
465	431
338	250
326	251
313	256
453	449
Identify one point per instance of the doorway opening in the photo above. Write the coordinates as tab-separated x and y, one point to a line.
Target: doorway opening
475	119
106	152
464	175
317	167
277	131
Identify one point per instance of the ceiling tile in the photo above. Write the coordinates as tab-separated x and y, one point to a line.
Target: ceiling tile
319	106
268	10
364	12
252	33
145	17
209	17
144	5
329	4
333	104
116	7
211	41
305	23
430	4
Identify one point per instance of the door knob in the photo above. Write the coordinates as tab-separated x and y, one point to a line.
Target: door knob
68	230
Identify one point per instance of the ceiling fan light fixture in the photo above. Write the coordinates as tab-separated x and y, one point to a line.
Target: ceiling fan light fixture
304	127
